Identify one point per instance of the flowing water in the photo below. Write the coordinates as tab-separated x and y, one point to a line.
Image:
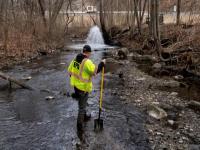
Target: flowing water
28	121
95	36
94	39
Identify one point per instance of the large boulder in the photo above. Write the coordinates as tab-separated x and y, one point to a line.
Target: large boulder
157	66
156	112
123	53
171	84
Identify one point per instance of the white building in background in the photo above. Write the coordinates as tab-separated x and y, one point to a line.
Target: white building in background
91	8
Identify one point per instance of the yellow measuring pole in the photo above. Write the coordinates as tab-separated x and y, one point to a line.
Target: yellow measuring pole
101	94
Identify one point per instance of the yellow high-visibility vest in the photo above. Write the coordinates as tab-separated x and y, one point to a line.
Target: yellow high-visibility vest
81	74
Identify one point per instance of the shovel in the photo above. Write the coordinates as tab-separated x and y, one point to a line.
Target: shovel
98	123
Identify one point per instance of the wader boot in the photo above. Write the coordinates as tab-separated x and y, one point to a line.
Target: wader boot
75	96
87	117
80	122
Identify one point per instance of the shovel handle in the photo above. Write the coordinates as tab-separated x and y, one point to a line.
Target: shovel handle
101	94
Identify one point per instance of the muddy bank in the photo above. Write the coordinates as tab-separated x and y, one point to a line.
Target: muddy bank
7	62
179	128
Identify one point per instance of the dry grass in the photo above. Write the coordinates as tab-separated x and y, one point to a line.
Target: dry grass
23	42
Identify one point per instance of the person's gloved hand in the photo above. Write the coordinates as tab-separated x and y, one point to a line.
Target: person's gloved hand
101	65
104	61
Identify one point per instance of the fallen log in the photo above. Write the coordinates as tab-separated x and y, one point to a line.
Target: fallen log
181	71
144	58
194	105
10	79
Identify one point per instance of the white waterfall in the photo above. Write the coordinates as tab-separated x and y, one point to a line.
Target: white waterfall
94	39
95	36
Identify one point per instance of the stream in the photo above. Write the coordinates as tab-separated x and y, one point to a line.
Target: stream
29	121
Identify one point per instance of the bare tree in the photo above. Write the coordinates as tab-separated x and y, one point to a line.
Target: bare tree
178	12
139	10
5	23
154	23
102	22
26	23
42	11
54	9
68	18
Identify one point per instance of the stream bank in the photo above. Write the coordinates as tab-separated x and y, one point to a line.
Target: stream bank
179	127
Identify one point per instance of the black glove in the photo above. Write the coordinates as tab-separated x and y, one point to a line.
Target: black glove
101	65
104	61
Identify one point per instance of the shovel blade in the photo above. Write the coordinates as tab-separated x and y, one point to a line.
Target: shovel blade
98	124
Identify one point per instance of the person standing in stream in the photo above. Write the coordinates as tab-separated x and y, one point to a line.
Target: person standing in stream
81	71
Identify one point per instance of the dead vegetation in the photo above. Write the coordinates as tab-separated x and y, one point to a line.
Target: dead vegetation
30	28
179	46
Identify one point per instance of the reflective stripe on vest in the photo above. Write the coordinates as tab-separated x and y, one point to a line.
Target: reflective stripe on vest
79	76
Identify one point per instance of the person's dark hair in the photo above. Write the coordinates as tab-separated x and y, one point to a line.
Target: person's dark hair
87	48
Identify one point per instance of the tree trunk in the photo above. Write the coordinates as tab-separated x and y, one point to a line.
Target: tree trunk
143	10
154	22
132	27
82	3
128	13
151	23
42	11
157	28
137	15
6	27
178	12
157	19
103	27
